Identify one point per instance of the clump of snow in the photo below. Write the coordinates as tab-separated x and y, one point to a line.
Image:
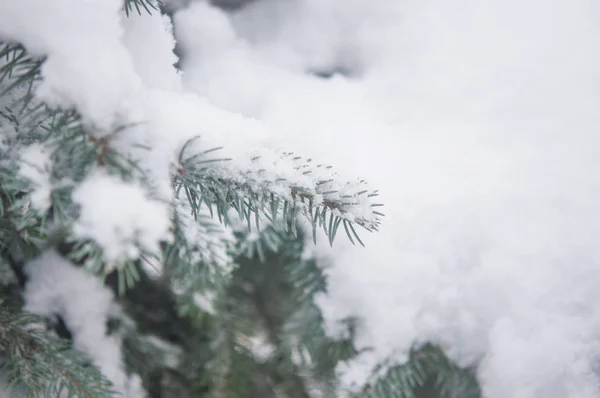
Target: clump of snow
259	345
150	42
253	151
57	287
34	166
120	217
87	66
203	33
205	300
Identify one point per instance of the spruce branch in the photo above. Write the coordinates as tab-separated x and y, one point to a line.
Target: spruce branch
45	366
148	6
269	330
19	73
427	368
207	180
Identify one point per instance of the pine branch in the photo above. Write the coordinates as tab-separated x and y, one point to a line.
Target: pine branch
326	203
45	366
427	368
19	73
269	330
148	6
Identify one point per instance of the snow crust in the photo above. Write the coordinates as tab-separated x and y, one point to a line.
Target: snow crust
476	120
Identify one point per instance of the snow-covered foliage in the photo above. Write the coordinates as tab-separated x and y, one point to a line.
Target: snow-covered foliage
118	73
476	120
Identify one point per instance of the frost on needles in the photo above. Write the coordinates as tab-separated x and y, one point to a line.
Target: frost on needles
153	244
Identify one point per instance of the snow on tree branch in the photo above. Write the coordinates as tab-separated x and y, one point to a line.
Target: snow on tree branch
283	183
57	287
125	114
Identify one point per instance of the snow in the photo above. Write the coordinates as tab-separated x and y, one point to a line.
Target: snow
476	120
205	301
116	215
259	345
34	166
57	287
146	35
86	65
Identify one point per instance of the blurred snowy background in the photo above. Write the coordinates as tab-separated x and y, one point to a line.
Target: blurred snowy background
478	122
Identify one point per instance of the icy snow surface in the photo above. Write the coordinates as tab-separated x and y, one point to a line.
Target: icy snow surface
478	122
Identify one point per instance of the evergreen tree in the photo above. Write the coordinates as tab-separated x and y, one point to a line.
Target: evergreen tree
224	308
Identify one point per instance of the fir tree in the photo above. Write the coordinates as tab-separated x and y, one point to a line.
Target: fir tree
231	310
